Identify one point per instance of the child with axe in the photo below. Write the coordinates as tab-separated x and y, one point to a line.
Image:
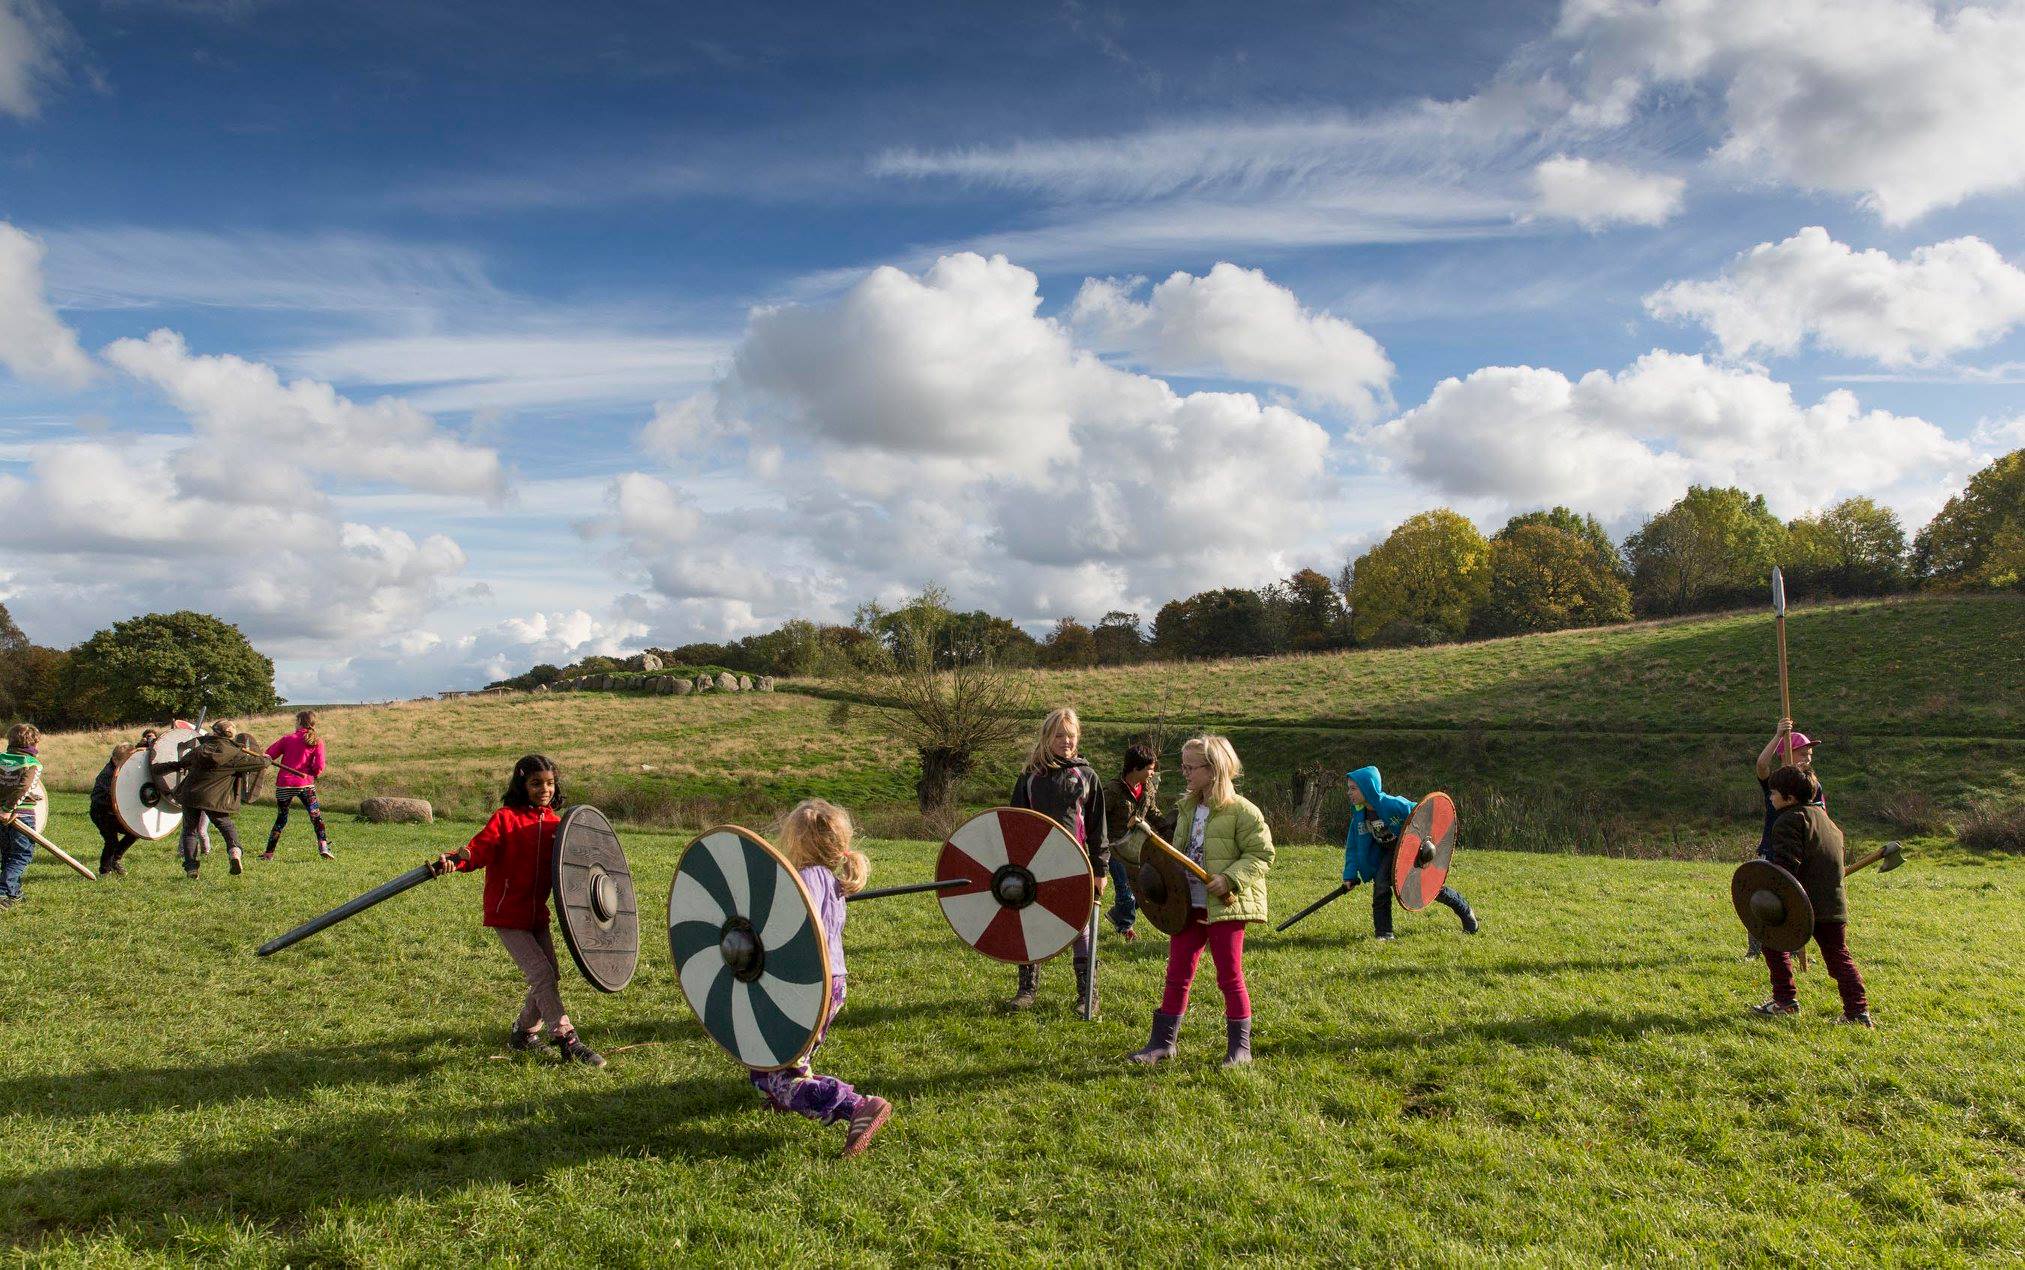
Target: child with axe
24	771
1807	844
219	773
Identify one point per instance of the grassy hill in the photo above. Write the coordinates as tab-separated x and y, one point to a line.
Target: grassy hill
1626	740
1578	1085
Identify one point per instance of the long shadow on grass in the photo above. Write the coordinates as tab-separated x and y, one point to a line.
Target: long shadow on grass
306	1166
280	1073
1566	1031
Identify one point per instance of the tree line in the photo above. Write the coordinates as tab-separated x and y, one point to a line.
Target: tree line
1437	579
147	669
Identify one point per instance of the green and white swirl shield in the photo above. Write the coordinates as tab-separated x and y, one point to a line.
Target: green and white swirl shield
750	953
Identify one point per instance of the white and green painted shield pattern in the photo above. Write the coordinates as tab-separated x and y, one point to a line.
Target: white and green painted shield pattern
749	950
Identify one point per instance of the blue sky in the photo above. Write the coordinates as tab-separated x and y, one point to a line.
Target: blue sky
427	341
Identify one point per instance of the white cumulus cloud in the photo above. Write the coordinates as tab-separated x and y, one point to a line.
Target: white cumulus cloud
237	408
1943	299
31	41
34	342
424	662
1594	194
1629	443
1237	322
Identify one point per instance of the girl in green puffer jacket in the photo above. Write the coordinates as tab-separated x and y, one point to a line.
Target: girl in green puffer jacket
1227	835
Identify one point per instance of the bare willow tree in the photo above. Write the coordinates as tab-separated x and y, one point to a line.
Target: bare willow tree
952	701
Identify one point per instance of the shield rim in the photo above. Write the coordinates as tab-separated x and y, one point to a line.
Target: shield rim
822	947
1172	872
555	886
1444	851
137	762
1795	935
1055	826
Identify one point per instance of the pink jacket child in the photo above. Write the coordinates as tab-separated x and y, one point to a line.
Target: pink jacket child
302	750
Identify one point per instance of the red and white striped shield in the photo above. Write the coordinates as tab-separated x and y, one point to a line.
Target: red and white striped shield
1420	862
1025	892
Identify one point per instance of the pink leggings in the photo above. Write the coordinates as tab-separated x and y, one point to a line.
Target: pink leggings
1226	942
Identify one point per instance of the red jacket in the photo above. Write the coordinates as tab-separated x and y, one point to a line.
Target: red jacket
515	849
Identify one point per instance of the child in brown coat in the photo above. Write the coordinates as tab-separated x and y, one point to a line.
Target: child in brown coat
1807	844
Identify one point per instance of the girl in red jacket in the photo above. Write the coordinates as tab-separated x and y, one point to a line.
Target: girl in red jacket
515	849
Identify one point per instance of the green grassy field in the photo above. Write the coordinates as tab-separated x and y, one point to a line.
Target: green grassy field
1577	1085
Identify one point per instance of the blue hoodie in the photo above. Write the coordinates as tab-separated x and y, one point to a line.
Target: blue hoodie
1363	857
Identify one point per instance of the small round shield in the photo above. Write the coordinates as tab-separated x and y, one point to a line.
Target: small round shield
750	953
594	900
138	805
1026	891
1772	905
1420	861
1163	892
170	745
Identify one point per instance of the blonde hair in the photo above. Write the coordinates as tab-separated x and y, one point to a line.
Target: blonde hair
306	721
1057	722
1224	767
818	831
23	734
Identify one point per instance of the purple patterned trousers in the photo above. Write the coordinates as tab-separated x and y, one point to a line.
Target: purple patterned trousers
801	1091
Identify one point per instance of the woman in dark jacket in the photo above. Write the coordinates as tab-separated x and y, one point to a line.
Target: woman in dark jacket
219	773
1060	784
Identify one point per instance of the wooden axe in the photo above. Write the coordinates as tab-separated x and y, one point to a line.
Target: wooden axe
1891	855
1202	875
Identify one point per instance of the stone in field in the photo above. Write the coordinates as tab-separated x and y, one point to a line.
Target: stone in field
649	661
727	682
763	684
683	687
397	811
744	684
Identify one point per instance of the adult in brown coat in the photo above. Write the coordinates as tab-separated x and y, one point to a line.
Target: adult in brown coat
1807	844
219	773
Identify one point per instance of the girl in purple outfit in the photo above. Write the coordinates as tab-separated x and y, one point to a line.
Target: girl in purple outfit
816	839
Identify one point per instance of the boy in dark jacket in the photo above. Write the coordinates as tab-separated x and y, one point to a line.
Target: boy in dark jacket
1807	844
1128	799
219	773
105	819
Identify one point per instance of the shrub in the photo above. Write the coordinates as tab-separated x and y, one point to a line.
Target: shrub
1913	813
1993	826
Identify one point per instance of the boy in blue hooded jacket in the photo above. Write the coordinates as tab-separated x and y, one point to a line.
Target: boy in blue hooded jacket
1376	818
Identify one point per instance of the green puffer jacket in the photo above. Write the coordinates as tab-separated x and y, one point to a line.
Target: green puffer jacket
1237	844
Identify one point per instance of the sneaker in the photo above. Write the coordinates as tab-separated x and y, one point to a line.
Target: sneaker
871	1116
190	872
1773	1009
1861	1019
1129	934
238	866
267	856
1470	923
6	902
112	868
522	1042
1386	938
575	1051
323	850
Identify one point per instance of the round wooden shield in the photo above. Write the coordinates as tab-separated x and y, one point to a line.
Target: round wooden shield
137	805
168	747
1420	861
1163	891
750	952
594	903
1772	905
1026	890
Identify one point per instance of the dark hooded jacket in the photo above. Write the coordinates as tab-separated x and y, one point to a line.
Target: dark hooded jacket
217	776
1071	794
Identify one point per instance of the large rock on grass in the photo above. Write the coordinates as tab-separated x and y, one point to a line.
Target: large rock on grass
682	687
763	684
397	811
727	682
